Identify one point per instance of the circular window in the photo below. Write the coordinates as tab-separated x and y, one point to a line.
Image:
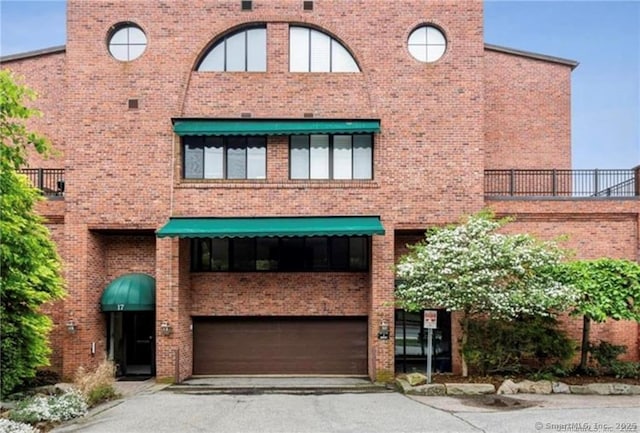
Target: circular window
427	44
127	42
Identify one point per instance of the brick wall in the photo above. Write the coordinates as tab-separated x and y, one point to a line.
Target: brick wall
527	112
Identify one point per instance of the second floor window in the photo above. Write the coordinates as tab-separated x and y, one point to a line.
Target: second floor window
331	156
245	50
234	157
314	51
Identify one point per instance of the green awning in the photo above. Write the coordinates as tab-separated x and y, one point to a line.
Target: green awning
271	227
130	292
273	127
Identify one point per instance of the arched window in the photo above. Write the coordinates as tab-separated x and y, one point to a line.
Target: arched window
313	51
242	51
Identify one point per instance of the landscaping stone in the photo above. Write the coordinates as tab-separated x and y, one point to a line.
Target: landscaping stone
469	388
403	386
508	387
606	389
531	387
429	389
416	379
560	388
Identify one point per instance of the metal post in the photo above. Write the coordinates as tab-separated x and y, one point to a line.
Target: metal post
596	186
429	353
636	175
41	179
555	183
512	182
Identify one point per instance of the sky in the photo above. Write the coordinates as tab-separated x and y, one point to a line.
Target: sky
604	36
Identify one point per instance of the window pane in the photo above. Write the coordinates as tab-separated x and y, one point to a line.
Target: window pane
214	61
358	257
298	49
267	254
236	158
320	51
219	254
419	52
244	254
319	156
137	36
257	50
435	36
292	254
135	51
341	59
342	157
256	158
418	37
119	52
236	52
213	158
202	258
299	157
340	253
120	37
193	158
362	157
434	52
316	254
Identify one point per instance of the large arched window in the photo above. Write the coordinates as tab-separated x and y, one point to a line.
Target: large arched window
313	51
244	50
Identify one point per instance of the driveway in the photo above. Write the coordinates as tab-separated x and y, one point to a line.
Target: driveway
170	412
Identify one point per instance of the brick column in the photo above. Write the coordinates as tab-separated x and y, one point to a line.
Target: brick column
173	305
381	352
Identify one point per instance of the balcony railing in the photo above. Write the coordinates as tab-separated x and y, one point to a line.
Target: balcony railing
562	183
48	180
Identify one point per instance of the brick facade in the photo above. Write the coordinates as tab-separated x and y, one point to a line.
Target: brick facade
442	124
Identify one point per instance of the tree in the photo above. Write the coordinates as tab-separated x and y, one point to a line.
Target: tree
472	269
609	289
30	272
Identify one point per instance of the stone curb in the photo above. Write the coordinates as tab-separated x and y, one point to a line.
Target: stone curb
510	387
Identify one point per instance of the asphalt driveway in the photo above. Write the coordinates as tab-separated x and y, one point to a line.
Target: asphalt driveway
170	412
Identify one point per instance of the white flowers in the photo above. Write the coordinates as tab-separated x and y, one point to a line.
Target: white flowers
472	268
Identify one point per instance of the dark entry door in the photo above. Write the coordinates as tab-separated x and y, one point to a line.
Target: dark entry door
138	329
280	345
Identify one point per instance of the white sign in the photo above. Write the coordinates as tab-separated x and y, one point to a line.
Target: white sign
430	319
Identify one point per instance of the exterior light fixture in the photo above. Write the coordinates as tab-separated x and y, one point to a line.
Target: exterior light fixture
71	326
165	328
383	330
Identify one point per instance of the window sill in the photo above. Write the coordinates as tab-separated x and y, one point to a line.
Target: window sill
291	184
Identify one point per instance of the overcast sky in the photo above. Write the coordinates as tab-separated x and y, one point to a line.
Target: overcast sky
604	36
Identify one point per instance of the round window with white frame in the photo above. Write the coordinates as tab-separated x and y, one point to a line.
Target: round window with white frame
127	42
427	44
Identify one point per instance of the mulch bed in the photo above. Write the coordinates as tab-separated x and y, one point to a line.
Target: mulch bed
497	380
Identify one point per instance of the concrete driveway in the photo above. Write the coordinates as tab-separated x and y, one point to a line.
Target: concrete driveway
165	411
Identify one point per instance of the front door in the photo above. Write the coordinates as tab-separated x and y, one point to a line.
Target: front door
132	342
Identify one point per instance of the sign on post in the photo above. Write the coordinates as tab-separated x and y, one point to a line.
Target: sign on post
430	323
430	319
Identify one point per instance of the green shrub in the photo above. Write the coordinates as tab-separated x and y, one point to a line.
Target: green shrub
605	355
521	346
101	393
626	369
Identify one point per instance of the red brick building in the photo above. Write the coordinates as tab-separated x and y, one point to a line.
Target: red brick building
236	179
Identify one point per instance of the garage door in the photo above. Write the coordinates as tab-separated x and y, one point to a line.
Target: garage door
279	345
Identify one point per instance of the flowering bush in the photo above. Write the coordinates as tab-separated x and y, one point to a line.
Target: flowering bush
8	426
50	408
473	269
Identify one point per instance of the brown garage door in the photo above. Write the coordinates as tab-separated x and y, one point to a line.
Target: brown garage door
276	345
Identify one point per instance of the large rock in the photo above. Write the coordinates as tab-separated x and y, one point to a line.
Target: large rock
508	387
539	387
430	389
560	388
416	379
403	386
469	388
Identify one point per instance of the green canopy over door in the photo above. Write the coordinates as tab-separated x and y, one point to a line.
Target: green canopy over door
273	127
130	292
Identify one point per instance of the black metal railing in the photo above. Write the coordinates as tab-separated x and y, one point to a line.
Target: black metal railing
562	183
48	180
